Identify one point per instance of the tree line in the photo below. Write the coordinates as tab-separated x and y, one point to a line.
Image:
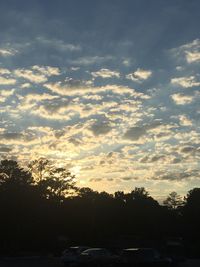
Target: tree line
42	209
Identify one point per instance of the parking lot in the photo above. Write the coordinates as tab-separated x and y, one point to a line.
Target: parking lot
55	262
31	262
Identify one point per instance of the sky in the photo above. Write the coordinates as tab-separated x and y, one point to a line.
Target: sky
108	88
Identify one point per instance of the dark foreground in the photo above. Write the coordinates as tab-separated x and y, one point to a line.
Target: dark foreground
55	262
31	262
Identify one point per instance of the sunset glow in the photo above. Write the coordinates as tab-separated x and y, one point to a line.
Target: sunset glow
109	89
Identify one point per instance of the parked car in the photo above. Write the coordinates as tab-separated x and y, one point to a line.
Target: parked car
143	257
70	256
98	257
176	251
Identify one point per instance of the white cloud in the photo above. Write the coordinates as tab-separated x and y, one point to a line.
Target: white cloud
126	62
192	56
37	74
75	68
25	85
7	52
139	75
30	75
29	101
7	92
181	99
190	51
4	71
185	121
4	94
185	82
7	81
106	73
82	88
47	70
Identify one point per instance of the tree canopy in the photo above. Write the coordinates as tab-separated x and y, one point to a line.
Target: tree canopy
37	207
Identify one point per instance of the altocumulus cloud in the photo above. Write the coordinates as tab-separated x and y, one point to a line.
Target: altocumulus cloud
105	73
182	99
139	75
185	82
37	74
67	94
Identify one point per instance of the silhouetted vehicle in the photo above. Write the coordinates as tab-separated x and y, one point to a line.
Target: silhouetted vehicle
70	256
175	250
98	257
143	257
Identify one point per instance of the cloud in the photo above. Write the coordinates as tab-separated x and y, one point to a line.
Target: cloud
25	85
54	110
9	136
90	60
78	87
30	75
105	73
27	139
101	128
5	149
37	74
189	51
57	107
185	82
31	101
7	81
185	121
4	94
7	52
135	133
192	51
4	71
16	137
153	158
175	175
181	99
192	57
47	70
7	92
139	75
126	62
59	45
188	149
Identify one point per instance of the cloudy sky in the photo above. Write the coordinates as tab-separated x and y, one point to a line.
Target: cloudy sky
109	88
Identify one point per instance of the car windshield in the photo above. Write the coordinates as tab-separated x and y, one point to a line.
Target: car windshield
72	250
146	253
97	251
140	253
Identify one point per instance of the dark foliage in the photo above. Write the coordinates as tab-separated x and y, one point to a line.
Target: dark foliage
42	209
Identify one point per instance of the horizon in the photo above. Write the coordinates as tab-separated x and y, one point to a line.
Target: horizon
110	90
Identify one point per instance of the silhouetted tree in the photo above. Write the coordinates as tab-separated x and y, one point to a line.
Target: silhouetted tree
173	201
139	196
193	198
191	220
87	193
120	195
139	193
54	182
12	174
36	207
19	205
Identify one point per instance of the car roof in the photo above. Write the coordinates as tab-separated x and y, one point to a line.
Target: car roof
136	249
93	249
77	247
